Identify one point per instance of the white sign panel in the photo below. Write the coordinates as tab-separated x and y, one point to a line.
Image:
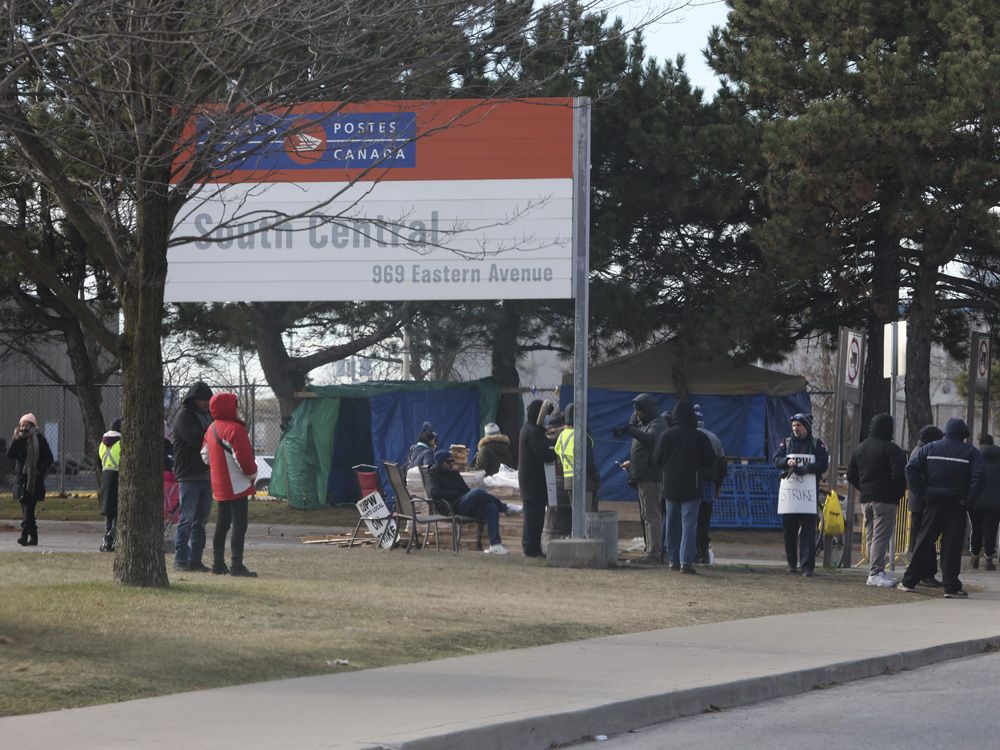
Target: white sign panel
797	493
383	201
854	360
378	519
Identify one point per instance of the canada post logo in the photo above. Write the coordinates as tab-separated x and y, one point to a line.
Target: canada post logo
355	140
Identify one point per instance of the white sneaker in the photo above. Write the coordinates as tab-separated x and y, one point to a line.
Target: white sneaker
497	549
872	581
514	510
885	580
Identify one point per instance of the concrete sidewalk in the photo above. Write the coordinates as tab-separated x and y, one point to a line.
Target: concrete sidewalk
537	697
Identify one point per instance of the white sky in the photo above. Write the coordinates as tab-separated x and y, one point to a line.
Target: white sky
683	31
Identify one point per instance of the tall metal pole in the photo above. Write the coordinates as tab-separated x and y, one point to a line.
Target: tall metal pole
970	418
581	292
986	393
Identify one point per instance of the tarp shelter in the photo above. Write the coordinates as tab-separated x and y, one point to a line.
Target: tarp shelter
748	407
341	426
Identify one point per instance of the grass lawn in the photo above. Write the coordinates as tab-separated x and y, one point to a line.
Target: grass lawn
71	637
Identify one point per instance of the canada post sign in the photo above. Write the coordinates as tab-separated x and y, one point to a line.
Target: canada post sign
436	200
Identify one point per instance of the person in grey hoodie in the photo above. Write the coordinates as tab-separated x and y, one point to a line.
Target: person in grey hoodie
644	428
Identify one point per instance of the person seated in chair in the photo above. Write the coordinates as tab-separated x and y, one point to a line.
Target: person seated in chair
421	453
445	484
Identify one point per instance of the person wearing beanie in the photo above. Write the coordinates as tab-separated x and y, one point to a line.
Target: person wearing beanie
446	485
645	426
876	470
193	477
799	529
533	451
950	475
32	458
916	504
564	447
109	452
985	512
492	451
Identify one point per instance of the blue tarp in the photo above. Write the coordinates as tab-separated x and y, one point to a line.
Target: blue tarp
741	422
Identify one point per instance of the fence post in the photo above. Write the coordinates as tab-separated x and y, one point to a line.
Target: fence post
62	444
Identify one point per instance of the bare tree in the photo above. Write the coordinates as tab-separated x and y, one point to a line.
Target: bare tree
95	98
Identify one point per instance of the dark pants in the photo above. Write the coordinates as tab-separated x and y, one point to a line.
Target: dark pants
928	561
800	540
534	522
704	522
231	513
481	505
984	532
28	524
944	518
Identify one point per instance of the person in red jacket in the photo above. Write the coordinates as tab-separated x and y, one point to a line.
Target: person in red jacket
229	455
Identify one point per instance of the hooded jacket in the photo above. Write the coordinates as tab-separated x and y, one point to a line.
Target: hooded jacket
948	470
685	455
228	451
990	499
189	434
646	426
18	452
533	451
877	468
492	451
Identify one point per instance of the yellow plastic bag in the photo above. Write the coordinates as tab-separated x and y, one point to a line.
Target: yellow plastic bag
833	515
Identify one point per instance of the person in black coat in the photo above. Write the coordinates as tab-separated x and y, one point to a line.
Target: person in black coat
916	504
985	512
876	470
685	455
493	451
446	485
33	458
950	475
194	478
533	451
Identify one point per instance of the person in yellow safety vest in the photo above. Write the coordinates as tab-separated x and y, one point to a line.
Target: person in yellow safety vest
110	453
564	449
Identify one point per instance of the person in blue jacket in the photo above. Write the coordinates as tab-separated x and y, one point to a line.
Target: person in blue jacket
950	475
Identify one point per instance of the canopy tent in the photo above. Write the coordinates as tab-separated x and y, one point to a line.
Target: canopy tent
748	407
341	426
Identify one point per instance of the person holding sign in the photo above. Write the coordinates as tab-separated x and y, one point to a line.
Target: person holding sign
803	459
876	470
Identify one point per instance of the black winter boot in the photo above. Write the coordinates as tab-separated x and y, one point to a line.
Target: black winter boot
23	539
240	570
33	538
219	563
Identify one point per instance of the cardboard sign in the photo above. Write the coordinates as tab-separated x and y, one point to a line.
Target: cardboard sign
797	494
377	518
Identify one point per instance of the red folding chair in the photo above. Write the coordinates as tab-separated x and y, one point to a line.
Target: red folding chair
366	476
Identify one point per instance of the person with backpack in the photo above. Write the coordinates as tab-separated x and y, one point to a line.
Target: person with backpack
800	528
229	454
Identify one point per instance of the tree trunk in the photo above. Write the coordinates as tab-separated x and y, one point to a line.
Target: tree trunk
86	389
510	411
678	371
918	350
139	560
284	378
884	308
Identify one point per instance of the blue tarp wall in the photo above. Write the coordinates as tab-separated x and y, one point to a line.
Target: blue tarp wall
748	425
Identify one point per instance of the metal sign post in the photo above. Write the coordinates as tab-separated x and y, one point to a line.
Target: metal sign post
979	380
850	369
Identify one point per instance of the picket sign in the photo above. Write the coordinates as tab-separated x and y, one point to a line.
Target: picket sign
797	494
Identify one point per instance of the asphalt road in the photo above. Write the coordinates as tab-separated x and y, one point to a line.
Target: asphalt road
951	704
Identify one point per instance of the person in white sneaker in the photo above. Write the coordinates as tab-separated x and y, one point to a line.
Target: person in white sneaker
447	485
877	470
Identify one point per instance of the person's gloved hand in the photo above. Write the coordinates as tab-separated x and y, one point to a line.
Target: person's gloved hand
619	431
799	470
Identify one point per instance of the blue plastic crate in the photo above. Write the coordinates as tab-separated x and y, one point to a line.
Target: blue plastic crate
749	498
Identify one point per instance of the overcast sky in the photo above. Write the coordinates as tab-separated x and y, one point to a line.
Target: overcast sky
684	31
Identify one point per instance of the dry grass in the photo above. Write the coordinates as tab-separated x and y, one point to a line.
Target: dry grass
70	637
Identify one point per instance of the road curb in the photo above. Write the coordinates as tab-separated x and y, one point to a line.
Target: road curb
543	732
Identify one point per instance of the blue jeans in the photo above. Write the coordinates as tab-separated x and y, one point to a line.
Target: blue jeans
682	531
196	505
482	505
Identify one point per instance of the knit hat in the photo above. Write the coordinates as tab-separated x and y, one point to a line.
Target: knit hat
930	433
116	424
198	392
805	419
29	417
555	420
491	429
441	456
426	427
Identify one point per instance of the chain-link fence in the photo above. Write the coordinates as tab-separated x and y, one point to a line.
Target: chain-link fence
60	419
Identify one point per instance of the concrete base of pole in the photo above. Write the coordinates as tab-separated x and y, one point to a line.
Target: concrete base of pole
577	553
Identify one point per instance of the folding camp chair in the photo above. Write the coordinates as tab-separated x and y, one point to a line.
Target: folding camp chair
457	520
408	504
366	476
